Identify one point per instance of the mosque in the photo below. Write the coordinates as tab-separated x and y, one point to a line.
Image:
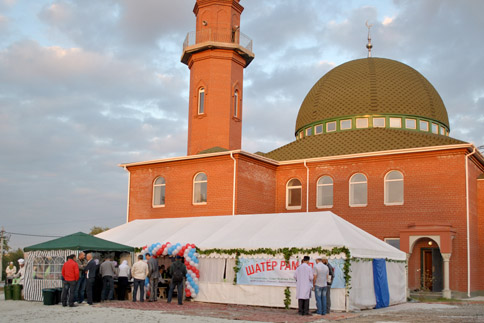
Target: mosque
372	144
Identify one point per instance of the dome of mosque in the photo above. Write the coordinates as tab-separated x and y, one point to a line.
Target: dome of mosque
372	93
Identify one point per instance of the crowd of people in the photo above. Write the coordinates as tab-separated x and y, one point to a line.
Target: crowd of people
85	276
317	279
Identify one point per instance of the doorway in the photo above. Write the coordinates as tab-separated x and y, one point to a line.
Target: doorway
431	268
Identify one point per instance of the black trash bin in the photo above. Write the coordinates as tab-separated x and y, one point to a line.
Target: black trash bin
58	295
49	296
8	292
16	292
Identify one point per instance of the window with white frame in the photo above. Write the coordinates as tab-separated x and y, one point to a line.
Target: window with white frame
201	101
411	123
200	189
424	125
345	124
159	192
48	267
394	188
361	123
293	194
442	131
324	192
435	128
379	122
395	122
309	131
358	190
331	126
318	129
236	103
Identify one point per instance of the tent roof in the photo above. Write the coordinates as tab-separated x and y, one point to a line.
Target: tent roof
79	241
302	230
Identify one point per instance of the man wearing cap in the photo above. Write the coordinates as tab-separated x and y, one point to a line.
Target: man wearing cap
21	272
321	273
304	283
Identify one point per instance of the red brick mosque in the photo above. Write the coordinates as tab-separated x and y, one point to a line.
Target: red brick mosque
372	144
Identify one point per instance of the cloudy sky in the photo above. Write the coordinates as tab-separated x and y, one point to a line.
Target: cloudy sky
88	84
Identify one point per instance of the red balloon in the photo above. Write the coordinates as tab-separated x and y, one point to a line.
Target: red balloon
193	246
180	254
187	263
198	275
145	247
188	294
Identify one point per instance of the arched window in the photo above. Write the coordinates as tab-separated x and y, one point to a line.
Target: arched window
159	192
201	101
394	188
325	192
293	194
200	189
236	103
358	190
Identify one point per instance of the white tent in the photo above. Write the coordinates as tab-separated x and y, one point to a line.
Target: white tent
301	230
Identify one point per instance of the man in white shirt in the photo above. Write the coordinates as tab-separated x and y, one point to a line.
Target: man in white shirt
321	273
139	271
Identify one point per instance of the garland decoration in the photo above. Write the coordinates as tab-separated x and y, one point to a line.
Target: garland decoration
189	252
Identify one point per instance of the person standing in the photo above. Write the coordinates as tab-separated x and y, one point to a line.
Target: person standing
70	272
154	275
330	281
139	271
81	283
108	271
10	271
178	271
321	273
304	283
90	274
123	277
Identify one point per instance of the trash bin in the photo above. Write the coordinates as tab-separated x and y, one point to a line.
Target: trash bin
8	292
49	296
16	292
58	295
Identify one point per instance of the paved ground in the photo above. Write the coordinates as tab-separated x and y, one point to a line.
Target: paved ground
117	312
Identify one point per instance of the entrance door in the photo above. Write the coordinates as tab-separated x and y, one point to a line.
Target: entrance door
431	269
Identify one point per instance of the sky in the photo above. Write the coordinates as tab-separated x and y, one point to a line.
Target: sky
88	84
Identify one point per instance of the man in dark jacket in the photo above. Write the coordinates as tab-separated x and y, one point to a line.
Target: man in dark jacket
70	273
154	275
178	271
90	272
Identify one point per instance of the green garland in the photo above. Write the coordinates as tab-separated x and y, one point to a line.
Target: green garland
288	253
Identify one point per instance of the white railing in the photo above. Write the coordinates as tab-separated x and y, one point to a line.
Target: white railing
218	35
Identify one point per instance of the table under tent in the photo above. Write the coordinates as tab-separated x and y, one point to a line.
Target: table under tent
44	261
251	259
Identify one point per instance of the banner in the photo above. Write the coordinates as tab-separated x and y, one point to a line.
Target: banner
276	272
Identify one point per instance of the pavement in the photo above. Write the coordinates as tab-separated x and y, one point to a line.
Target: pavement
470	310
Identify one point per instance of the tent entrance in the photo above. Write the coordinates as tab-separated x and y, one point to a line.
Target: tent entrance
431	269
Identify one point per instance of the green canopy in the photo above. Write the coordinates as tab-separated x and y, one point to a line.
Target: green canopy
80	241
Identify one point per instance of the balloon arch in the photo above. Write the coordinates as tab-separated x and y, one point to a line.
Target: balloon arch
189	252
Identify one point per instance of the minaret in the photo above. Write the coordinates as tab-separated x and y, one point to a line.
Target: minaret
216	54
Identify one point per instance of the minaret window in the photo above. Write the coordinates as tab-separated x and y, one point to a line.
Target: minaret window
361	123
159	192
424	125
435	128
410	123
395	122
200	189
293	194
236	103
201	101
379	122
345	124
331	126
318	129
325	192
358	190
394	188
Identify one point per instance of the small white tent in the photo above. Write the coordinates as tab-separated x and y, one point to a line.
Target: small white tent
275	231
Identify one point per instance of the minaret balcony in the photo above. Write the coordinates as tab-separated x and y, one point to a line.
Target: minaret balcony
209	38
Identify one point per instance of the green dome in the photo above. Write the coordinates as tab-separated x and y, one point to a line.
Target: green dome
369	87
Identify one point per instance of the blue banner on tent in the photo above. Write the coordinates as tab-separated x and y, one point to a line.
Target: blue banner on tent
380	282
